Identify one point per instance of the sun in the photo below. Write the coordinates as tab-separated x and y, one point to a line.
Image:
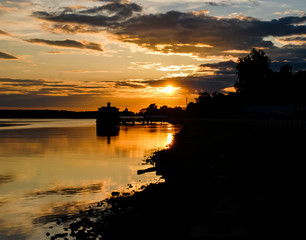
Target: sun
169	89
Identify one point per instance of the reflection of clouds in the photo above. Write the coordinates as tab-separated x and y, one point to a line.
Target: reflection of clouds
63	170
3	201
92	188
15	235
6	179
52	212
8	124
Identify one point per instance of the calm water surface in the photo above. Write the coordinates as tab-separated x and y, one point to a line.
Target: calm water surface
50	167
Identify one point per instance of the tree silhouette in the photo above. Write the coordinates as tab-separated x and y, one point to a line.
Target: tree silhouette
252	71
257	85
153	109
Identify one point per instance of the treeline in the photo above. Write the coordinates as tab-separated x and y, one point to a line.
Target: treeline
46	114
257	85
215	105
153	109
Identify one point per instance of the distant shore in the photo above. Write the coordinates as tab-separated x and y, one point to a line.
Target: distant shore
11	124
43	114
222	180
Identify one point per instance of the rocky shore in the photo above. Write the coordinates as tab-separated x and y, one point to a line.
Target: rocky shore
223	180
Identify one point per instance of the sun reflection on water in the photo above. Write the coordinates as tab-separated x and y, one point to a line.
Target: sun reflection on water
45	170
169	139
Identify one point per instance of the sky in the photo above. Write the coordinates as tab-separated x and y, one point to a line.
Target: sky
80	54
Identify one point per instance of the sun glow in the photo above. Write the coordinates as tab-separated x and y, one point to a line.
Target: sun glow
168	89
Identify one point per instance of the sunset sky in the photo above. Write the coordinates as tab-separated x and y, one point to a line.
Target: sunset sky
79	54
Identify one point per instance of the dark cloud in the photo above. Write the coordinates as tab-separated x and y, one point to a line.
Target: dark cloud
221	68
288	53
214	4
176	28
194	33
4	55
197	83
30	82
296	66
178	32
45	87
303	38
211	84
228	3
68	43
121	11
106	15
254	2
130	84
210	77
98	20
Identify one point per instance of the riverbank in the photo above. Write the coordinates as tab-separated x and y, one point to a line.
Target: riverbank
223	180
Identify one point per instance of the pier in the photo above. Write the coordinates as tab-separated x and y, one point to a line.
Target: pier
109	118
144	120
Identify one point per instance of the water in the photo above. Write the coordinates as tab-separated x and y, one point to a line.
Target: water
51	167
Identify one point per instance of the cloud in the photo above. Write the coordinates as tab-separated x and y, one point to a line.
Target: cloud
292	40
195	83
208	77
175	68
176	32
30	82
130	84
71	28
230	3
86	71
7	9
106	15
297	12
221	68
175	28
214	4
201	12
73	8
121	11
194	34
20	3
47	87
4	55
54	52
290	54
143	65
4	33
69	43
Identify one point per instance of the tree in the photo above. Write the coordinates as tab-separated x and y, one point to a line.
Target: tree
204	97
152	109
252	71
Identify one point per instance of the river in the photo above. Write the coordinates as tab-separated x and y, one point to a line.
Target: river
59	166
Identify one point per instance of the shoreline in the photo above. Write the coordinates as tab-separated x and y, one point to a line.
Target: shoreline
222	180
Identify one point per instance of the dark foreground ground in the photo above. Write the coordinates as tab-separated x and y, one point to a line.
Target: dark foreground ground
223	180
